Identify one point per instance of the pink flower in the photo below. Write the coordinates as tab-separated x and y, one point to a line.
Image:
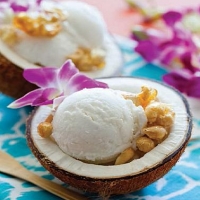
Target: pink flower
166	44
54	84
170	42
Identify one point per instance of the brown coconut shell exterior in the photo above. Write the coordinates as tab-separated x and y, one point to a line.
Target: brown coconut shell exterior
12	82
107	187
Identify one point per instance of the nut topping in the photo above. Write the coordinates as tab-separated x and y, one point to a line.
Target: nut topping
125	156
145	144
40	24
87	60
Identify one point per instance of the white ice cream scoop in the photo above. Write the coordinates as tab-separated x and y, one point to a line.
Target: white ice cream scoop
85	23
83	27
96	125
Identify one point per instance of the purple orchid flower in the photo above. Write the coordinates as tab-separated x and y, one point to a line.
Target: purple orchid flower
172	45
163	45
149	42
186	80
178	79
54	84
148	46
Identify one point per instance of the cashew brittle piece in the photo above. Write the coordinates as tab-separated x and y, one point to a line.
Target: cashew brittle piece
45	129
87	60
160	114
146	96
155	132
49	118
41	24
125	156
145	144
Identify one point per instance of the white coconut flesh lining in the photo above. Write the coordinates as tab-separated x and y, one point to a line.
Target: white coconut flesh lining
175	140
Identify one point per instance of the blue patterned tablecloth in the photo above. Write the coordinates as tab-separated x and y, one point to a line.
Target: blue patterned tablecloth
181	183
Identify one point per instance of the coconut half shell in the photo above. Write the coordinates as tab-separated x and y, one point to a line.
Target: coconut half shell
116	179
12	82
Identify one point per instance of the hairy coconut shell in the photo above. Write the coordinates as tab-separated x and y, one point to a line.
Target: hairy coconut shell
12	82
106	186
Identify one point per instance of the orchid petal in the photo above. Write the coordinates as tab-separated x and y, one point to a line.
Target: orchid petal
186	59
36	97
57	101
193	87
148	50
178	79
168	55
27	99
46	97
171	17
42	77
66	71
18	8
80	81
38	2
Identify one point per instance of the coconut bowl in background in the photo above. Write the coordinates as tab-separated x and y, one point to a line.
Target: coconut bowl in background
82	32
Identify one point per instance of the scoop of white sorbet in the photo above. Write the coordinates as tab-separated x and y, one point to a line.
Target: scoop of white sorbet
96	125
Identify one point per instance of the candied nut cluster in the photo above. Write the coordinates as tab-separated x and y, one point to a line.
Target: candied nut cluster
159	114
160	118
88	60
146	96
126	156
40	24
45	128
8	34
145	144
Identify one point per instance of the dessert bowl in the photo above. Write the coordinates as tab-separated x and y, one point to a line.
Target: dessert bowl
47	33
108	179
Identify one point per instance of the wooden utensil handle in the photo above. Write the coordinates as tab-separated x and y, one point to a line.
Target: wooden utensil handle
12	167
55	188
